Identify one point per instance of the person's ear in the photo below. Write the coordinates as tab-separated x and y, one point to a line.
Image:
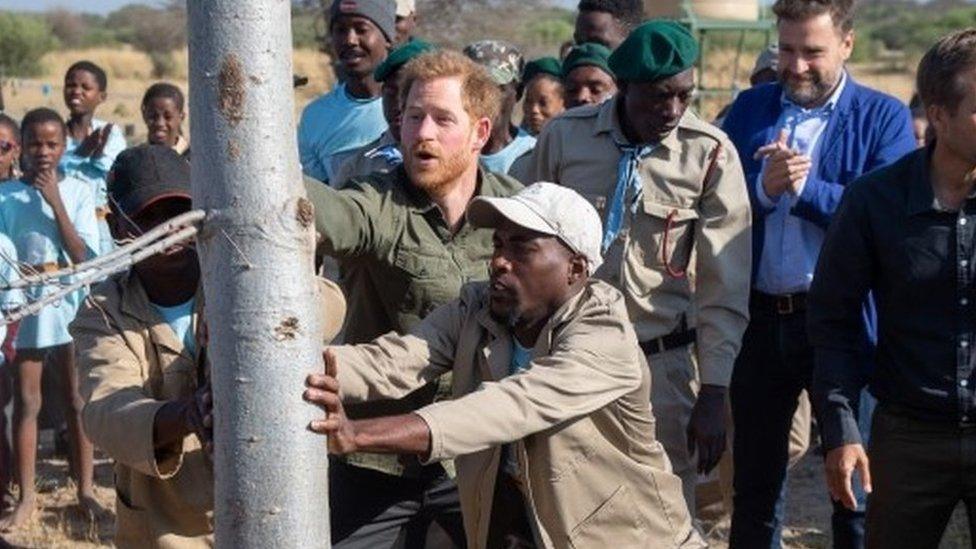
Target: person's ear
578	269
938	116
102	96
482	128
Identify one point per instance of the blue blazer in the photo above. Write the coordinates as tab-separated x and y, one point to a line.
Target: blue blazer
867	130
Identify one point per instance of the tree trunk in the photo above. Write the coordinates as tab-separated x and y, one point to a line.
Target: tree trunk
256	251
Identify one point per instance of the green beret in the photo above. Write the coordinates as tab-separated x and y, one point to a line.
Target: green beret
657	49
399	57
543	65
587	54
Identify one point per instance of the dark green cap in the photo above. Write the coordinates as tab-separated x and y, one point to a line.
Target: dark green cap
587	54
399	57
543	65
657	49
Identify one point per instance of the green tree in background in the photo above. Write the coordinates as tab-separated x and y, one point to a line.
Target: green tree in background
23	40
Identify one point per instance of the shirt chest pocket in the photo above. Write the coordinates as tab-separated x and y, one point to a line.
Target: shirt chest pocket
662	236
423	281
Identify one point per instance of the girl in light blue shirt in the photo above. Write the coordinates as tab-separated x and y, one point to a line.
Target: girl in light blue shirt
50	218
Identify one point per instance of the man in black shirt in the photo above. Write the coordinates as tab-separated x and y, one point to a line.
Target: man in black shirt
907	234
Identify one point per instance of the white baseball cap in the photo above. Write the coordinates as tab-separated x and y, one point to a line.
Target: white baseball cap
550	209
405	8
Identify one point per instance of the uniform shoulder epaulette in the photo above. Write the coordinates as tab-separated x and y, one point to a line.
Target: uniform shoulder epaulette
693	123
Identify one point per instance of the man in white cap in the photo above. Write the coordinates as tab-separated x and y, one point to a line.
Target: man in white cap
550	427
406	20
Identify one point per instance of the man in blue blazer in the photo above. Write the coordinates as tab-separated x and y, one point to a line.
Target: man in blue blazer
801	141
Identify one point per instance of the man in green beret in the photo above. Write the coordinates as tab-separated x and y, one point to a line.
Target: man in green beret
587	78
676	232
542	92
504	63
383	155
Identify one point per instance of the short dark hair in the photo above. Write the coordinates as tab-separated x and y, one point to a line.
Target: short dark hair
940	68
841	11
93	69
628	12
11	125
42	115
164	90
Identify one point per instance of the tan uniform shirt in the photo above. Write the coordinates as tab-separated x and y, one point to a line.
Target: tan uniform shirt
129	364
689	218
400	261
364	161
579	417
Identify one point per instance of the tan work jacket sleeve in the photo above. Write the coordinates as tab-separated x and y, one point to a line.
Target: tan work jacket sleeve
345	219
393	365
118	416
724	262
593	361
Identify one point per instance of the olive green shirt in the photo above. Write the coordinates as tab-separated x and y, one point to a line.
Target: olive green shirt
399	261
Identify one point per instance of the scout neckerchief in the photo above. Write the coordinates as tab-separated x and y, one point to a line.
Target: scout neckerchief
390	153
628	190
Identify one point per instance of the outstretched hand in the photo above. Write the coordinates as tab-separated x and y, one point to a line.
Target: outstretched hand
94	144
323	391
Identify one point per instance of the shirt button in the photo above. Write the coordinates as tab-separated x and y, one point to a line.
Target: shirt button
963	263
962	220
964	302
964	344
964	383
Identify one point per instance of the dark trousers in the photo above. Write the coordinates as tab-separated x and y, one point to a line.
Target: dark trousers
775	364
374	510
920	471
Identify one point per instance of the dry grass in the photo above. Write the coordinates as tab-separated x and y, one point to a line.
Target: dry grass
129	75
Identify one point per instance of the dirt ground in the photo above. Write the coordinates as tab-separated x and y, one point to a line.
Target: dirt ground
58	524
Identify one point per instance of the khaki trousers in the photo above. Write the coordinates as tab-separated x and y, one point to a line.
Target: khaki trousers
674	391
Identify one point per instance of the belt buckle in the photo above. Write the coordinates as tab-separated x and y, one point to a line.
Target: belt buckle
784	305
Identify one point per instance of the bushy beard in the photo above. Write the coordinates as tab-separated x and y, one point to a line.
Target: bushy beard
814	87
435	180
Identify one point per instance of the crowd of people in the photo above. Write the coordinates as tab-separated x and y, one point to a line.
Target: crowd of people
544	329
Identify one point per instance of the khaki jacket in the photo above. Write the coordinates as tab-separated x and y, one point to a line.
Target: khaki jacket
685	255
129	363
400	261
579	418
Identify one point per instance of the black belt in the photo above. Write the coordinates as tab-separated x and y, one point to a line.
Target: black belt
677	338
778	304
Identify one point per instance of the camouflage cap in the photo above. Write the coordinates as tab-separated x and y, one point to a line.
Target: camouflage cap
504	61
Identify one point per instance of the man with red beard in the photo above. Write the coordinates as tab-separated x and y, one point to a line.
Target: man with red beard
405	249
802	140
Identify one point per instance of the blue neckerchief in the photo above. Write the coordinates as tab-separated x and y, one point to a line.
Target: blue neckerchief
627	191
391	153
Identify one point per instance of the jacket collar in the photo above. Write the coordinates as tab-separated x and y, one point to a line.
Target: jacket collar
136	304
498	350
608	122
921	197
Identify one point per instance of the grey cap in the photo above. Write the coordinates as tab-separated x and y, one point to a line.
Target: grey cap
550	209
381	12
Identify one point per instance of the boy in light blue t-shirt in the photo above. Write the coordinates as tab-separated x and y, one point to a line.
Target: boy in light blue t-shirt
92	144
50	218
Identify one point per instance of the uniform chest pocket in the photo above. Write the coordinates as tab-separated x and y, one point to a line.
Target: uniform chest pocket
662	236
424	281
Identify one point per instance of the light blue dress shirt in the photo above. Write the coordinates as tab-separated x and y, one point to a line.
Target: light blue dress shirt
333	124
792	245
